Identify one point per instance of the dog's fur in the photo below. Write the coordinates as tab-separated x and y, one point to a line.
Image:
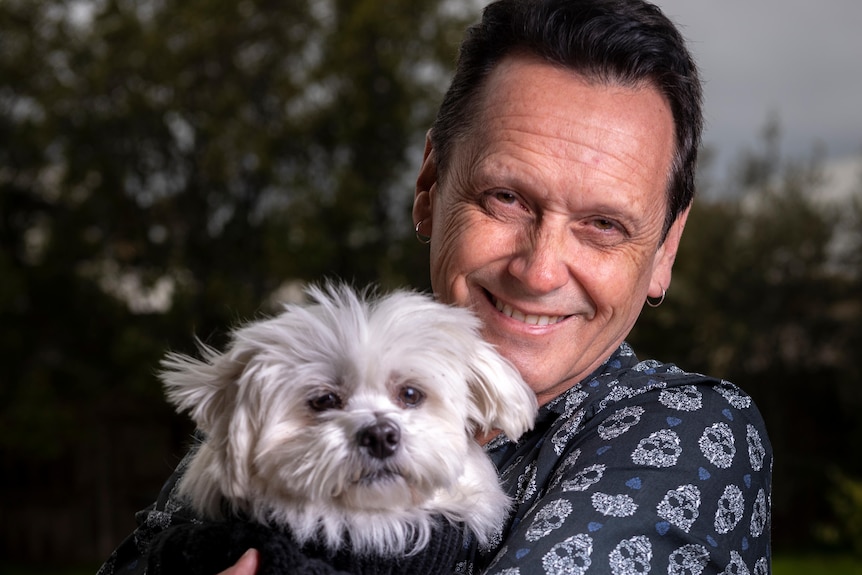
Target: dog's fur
287	407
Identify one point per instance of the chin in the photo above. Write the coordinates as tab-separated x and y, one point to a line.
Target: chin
350	421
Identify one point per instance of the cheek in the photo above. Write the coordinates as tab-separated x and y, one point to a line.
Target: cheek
447	252
456	250
614	282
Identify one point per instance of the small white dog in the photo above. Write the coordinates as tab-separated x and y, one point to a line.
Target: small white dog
352	419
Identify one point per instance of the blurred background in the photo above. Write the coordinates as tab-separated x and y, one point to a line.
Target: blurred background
171	168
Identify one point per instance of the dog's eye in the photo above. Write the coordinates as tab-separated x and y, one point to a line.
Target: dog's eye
325	402
410	396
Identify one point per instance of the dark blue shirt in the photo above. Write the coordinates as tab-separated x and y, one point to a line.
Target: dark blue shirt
641	468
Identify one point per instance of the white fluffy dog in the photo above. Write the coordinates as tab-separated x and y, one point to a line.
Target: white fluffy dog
352	419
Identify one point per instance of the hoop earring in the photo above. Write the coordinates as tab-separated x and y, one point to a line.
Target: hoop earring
423	239
652	303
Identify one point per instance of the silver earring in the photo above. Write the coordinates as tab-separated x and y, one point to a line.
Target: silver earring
423	239
653	303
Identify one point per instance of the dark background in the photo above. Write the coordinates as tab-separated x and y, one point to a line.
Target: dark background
171	168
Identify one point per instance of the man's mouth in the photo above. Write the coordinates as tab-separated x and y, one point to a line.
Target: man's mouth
529	319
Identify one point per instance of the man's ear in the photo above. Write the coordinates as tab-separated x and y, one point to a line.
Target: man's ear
666	256
426	181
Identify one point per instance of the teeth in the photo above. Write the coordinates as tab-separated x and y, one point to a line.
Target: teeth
508	310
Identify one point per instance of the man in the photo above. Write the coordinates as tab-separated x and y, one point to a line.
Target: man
555	189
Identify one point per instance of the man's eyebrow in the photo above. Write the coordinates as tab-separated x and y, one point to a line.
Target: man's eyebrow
500	173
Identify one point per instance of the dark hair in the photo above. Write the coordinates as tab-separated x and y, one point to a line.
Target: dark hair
626	42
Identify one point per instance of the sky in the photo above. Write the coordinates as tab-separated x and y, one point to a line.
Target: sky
798	60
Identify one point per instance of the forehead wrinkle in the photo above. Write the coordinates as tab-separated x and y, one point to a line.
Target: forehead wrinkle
568	129
565	138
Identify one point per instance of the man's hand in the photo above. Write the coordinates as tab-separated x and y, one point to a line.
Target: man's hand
247	564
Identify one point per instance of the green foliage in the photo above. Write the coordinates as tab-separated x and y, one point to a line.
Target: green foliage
845	498
816	565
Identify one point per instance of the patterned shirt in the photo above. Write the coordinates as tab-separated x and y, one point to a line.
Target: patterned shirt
641	468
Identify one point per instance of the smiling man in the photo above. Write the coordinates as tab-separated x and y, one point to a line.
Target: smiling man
553	195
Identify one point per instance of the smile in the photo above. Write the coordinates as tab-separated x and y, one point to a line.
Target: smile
529	319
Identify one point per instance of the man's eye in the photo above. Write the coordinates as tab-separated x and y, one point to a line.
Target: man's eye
604	225
410	396
325	402
504	201
506	197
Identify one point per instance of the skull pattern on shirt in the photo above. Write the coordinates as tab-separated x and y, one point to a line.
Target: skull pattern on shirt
641	468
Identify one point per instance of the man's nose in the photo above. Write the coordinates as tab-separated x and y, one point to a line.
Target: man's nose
541	262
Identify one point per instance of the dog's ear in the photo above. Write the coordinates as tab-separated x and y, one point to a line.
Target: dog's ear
205	388
220	398
500	397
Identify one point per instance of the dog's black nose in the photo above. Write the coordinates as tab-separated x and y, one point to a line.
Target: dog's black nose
380	439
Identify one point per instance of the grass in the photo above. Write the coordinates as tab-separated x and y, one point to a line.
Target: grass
816	565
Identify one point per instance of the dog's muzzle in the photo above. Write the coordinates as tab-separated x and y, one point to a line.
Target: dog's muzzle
380	439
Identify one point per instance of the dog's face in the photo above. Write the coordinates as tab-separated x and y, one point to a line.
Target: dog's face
369	422
348	402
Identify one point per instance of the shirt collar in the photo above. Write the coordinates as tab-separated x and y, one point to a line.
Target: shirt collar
622	358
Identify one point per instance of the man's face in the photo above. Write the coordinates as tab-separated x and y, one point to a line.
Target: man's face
548	220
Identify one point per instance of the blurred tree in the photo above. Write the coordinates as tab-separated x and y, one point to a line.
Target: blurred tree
164	166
